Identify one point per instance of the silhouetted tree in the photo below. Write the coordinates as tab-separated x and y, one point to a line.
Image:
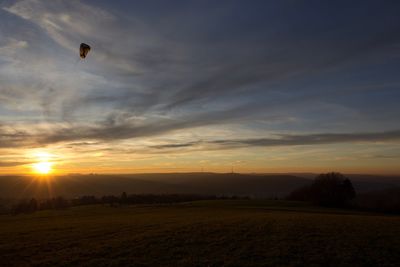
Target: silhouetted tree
60	203
123	198
329	189
85	200
25	206
332	189
111	200
3	208
33	205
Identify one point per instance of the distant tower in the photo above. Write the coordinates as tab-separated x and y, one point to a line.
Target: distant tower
232	169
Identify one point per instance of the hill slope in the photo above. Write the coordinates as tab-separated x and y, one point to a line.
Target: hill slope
212	233
188	183
267	185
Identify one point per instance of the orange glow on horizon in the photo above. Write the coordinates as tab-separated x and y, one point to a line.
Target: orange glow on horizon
53	161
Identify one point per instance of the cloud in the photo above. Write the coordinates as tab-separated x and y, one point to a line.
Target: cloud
180	71
96	135
68	23
289	140
11	137
12	47
167	146
161	72
13	163
315	139
279	140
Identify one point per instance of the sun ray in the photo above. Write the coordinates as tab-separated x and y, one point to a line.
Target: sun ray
27	187
49	188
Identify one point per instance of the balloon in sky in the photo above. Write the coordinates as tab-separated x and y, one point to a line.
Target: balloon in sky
84	50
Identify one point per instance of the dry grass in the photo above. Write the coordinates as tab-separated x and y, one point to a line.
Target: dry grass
209	233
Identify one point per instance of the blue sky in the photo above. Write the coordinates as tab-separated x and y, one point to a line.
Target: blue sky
172	85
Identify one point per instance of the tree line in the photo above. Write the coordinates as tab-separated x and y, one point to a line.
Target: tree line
328	190
32	205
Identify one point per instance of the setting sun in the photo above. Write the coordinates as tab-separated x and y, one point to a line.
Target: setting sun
43	161
42	167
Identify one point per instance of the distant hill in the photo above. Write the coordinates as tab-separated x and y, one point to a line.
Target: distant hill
266	185
231	183
374	182
187	183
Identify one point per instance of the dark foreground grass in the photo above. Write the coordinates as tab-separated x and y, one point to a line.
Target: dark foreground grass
209	233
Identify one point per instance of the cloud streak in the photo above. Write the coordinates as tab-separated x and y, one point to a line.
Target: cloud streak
13	163
10	137
314	139
194	77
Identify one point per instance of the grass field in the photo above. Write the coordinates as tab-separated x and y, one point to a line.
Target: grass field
207	233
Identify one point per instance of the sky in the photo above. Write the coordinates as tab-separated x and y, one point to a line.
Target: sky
176	86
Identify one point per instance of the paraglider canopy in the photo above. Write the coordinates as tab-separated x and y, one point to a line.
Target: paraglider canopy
84	50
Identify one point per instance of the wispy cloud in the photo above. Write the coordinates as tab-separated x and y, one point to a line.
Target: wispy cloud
13	163
182	70
314	139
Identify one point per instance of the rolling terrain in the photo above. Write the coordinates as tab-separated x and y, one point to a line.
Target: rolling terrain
266	186
204	233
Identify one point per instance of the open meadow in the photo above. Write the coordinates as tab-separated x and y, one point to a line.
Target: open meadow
203	233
